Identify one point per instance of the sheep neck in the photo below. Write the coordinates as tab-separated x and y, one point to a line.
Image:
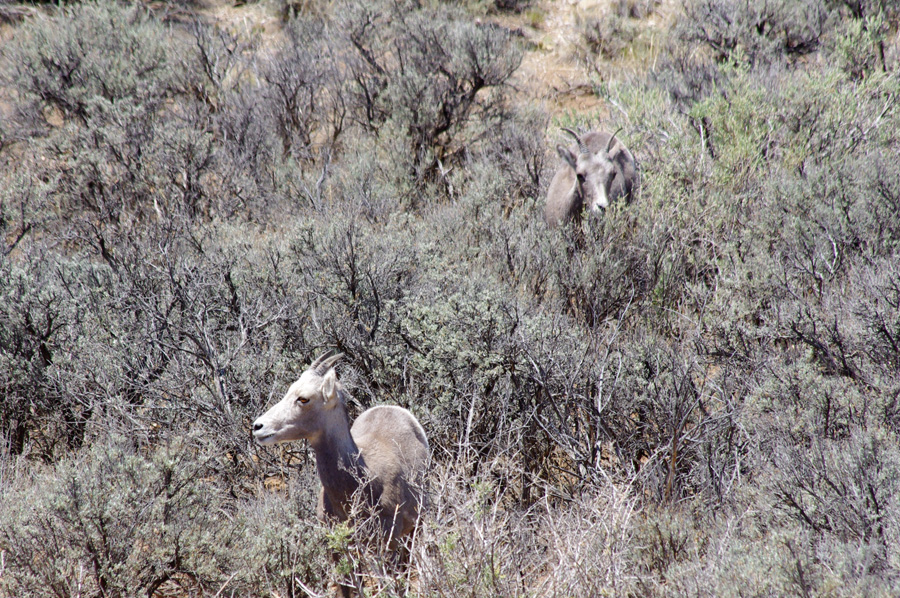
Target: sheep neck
338	461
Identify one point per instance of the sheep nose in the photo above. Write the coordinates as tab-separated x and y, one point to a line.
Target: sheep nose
257	426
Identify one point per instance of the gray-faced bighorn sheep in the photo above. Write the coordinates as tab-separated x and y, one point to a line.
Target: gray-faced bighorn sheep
598	170
385	453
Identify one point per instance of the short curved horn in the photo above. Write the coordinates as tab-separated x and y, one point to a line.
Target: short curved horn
325	362
315	364
613	138
581	146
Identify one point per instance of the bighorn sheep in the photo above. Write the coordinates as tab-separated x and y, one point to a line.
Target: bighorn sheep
598	170
385	451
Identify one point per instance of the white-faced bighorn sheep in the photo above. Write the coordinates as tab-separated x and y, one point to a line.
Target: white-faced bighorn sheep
385	453
598	170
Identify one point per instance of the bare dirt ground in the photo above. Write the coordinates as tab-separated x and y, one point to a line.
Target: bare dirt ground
551	74
554	73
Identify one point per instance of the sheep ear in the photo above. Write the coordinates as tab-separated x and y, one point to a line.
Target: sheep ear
566	155
330	386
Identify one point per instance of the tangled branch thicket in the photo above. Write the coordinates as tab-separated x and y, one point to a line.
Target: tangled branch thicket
696	393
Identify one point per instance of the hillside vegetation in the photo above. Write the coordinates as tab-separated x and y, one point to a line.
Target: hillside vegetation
697	393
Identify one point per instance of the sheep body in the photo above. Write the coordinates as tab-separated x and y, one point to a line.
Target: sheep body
384	455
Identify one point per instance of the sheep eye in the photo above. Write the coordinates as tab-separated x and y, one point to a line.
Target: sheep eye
303	400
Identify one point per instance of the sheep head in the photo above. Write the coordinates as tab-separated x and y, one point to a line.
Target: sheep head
308	405
594	171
